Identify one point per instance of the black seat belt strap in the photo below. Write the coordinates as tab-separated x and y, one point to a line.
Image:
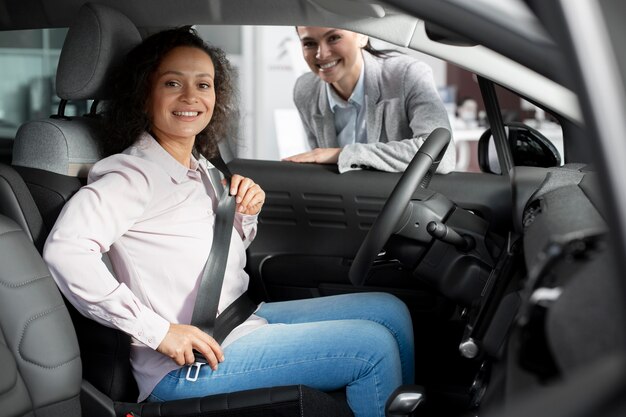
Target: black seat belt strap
209	291
219	163
205	308
233	316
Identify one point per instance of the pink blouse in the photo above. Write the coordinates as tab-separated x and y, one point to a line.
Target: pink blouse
154	218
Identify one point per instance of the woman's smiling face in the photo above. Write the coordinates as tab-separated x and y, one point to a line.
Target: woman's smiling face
182	95
333	54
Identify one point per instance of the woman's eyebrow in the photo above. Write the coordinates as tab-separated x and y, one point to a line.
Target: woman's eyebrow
174	72
308	38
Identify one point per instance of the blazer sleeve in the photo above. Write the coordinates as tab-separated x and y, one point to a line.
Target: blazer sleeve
302	97
425	112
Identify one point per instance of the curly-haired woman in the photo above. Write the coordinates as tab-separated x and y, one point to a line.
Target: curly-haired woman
151	205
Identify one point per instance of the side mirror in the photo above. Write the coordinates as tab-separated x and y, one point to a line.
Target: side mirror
529	147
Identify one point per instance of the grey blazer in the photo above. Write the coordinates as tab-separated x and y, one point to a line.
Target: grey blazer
402	106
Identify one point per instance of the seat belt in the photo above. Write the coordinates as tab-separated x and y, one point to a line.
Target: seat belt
208	297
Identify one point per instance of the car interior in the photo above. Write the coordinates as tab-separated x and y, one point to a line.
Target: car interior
498	268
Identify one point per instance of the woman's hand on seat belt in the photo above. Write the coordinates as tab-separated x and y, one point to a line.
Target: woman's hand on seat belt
249	195
182	339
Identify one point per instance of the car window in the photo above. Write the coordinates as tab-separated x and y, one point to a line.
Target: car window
28	62
464	100
268	60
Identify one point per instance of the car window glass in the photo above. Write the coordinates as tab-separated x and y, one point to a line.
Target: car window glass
470	119
268	60
28	62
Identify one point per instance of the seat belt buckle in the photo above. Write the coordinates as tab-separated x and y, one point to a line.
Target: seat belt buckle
195	366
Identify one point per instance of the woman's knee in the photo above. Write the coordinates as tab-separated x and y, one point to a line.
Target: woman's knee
380	363
389	299
381	341
388	305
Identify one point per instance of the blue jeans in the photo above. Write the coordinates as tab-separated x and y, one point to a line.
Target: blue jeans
363	342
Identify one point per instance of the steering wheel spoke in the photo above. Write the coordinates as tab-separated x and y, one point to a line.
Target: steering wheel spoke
387	222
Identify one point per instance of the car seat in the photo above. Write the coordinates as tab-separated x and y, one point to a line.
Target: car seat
41	367
17	204
53	156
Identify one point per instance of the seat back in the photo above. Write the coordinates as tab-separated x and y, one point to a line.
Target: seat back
54	155
17	204
41	367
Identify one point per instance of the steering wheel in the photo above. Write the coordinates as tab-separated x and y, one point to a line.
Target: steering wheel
428	155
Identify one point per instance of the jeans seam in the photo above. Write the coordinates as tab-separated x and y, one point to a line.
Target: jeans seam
281	366
376	386
392	330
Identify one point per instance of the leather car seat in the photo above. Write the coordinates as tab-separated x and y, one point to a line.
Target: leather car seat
17	204
41	367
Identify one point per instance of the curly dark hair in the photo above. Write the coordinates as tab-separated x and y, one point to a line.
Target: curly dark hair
125	116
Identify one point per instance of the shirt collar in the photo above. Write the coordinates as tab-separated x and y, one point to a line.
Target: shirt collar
149	149
357	96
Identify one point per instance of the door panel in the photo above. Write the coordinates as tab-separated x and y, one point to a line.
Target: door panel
314	220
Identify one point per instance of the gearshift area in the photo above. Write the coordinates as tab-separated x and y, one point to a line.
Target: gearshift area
404	401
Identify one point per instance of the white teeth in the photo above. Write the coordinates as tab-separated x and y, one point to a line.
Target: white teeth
329	65
186	113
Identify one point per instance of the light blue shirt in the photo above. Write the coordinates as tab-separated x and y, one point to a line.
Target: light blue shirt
349	115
